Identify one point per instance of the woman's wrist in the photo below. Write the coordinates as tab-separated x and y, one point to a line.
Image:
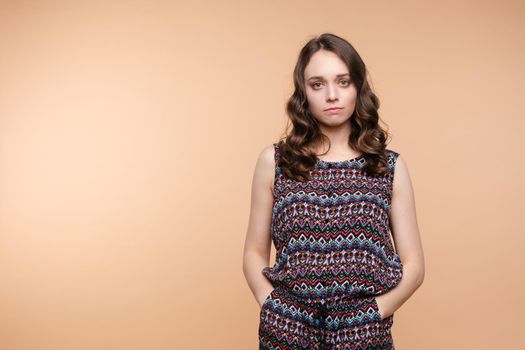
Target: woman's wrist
264	295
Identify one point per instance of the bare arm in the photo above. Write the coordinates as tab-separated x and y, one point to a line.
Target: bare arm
407	240
257	244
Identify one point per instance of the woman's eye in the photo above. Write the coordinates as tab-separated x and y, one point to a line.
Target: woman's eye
317	84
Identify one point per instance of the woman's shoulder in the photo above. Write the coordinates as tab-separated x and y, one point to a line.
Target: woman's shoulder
391	152
392	157
267	154
265	169
268	157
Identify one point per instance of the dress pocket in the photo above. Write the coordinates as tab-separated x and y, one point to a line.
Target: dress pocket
376	308
267	299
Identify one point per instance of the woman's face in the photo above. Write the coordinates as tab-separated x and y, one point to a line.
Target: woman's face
328	85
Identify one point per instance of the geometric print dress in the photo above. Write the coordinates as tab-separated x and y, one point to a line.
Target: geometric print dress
334	255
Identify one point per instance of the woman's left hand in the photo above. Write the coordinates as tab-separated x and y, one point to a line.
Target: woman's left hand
383	310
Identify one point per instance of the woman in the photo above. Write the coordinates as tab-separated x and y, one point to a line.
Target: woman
327	197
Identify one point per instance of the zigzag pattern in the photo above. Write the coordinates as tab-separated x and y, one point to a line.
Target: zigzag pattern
340	212
288	322
334	255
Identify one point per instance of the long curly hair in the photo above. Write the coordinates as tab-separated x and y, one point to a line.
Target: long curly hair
296	146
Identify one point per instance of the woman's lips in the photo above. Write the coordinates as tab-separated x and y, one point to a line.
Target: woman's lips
333	110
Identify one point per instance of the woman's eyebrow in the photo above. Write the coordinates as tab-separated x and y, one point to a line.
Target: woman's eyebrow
319	77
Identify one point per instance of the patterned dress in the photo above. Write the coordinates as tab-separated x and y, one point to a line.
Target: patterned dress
334	254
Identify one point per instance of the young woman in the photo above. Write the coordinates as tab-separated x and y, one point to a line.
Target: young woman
327	197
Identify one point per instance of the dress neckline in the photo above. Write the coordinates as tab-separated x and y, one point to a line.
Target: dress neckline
341	162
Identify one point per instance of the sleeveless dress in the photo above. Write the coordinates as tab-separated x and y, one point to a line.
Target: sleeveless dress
334	254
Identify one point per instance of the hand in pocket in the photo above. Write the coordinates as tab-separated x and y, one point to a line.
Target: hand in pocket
266	298
378	308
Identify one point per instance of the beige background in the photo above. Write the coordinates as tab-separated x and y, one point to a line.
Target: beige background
129	133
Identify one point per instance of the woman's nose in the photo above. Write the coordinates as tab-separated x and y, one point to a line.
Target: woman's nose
332	92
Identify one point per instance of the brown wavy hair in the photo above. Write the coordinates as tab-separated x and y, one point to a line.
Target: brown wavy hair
296	147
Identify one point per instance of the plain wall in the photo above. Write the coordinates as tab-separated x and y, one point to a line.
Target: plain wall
129	132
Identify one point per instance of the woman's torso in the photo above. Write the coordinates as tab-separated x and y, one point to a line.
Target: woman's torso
332	232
